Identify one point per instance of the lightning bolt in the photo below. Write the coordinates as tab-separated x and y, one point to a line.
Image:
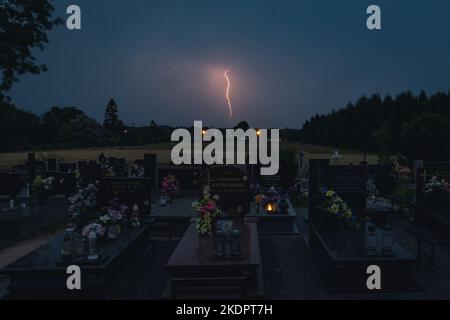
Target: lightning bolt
227	94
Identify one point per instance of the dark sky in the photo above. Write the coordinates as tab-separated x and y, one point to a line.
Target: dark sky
164	60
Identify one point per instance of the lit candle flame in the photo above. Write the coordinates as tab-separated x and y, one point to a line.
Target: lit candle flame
227	94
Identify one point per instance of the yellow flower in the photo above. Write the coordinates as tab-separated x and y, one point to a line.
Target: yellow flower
335	208
329	193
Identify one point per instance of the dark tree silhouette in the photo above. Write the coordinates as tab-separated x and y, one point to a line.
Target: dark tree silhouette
23	27
408	124
112	121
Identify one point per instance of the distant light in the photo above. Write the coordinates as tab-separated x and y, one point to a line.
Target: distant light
203	132
258	132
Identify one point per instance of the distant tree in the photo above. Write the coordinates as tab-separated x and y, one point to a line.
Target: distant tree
242	125
112	121
18	128
55	119
427	137
23	27
383	138
388	125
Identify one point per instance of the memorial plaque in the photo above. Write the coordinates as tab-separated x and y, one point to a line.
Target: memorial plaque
232	186
130	191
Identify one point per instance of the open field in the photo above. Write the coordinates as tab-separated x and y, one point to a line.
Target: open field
7	160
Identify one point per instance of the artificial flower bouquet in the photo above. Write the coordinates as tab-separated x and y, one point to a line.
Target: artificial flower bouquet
208	212
170	186
84	201
437	190
436	186
335	206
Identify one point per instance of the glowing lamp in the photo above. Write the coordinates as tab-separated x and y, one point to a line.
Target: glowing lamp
258	132
270	207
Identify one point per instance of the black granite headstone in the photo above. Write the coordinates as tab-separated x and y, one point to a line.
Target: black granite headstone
63	184
9	184
67	167
319	175
350	183
51	165
231	184
150	171
383	179
31	167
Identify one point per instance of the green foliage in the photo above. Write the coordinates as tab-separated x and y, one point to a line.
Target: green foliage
38	184
427	137
417	126
23	27
112	121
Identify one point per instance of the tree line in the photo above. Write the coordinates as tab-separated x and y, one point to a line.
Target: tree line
417	126
69	127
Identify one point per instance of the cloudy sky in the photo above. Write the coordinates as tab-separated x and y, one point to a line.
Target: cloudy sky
164	60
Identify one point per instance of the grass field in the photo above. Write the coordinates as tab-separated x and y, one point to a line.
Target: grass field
7	160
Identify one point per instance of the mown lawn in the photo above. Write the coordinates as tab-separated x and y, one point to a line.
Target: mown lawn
7	160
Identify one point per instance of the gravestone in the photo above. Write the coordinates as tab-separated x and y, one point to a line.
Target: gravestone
118	165
90	172
188	176
67	167
350	183
51	165
231	184
301	159
319	174
270	181
383	179
130	191
9	184
31	167
82	165
64	183
150	163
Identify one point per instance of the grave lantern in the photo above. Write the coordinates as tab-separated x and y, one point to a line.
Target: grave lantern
236	242
387	241
219	244
271	207
92	245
